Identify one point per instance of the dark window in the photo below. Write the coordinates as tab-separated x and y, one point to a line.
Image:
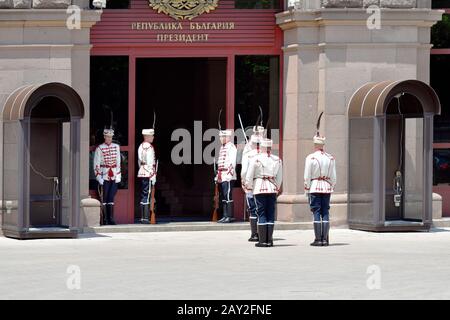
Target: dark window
257	4
114	4
436	4
257	84
440	33
439	70
109	98
441	166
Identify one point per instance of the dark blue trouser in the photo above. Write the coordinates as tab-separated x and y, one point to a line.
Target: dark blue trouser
145	190
320	206
251	205
109	192
226	194
226	198
265	207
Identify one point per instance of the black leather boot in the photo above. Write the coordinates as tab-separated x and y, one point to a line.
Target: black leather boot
231	211
254	230
262	234
111	215
318	235
142	213
325	232
145	214
106	214
224	212
270	228
229	217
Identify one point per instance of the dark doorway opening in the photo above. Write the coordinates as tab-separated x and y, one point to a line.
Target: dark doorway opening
185	93
404	154
49	147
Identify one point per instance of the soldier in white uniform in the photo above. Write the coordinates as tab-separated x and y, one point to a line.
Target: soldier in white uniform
264	178
320	180
250	150
107	172
147	172
226	174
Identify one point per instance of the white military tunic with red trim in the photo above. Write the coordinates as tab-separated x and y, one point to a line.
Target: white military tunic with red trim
146	161
226	163
247	157
320	172
265	174
107	163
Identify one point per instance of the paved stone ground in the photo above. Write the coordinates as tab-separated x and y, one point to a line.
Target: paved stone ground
223	265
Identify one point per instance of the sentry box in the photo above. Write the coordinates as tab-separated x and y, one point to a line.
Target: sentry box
41	162
390	156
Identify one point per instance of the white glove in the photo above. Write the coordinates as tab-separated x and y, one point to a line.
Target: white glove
100	180
118	180
153	180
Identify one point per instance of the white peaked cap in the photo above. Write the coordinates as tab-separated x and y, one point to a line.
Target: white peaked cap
225	133
258	129
108	132
255	139
148	132
319	140
266	143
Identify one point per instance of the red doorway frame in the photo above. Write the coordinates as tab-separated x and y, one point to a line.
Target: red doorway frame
125	198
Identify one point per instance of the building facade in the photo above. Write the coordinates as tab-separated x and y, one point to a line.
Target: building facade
136	58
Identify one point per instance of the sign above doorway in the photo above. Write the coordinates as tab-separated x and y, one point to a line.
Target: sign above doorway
226	26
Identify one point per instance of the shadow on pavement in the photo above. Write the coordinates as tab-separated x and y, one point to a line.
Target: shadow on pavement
436	230
92	235
285	245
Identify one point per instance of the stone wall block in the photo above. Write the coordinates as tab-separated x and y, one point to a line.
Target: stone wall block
51	4
22	4
342	3
6	4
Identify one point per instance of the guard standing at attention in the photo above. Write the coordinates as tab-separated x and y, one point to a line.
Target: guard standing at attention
107	172
250	150
226	174
147	172
320	180
264	178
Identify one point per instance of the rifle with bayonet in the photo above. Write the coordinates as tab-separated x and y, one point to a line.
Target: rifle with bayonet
243	182
152	201
215	214
102	206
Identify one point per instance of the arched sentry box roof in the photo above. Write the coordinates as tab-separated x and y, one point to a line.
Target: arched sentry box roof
372	99
20	103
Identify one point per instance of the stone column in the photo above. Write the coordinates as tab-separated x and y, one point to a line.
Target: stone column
300	109
328	54
37	47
